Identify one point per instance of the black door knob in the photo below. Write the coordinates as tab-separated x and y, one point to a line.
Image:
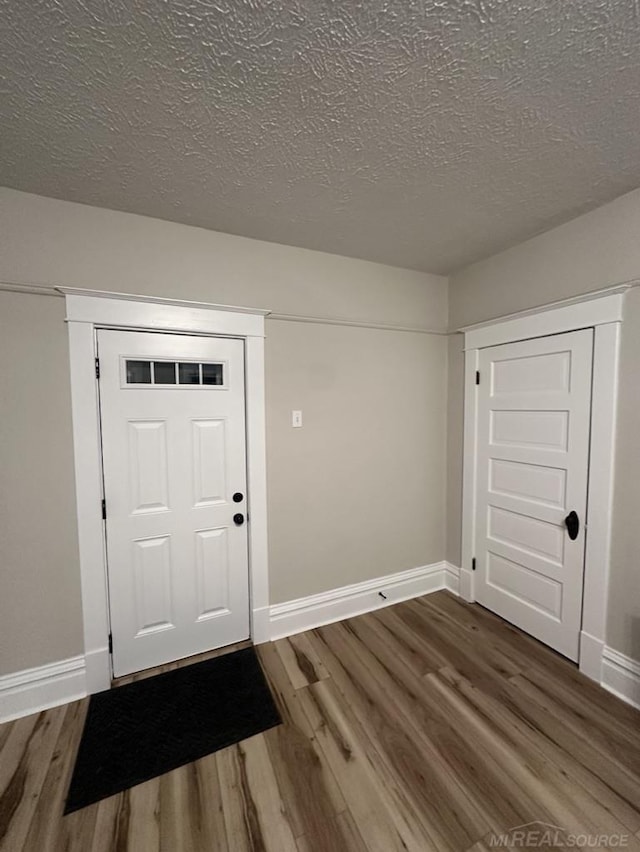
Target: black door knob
238	497
238	519
572	522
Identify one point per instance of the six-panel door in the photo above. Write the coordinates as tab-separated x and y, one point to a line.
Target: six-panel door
173	436
534	406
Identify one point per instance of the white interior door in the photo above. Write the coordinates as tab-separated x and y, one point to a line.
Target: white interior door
534	407
173	442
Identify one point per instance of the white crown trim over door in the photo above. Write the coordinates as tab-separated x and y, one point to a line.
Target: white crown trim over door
86	312
603	312
599	308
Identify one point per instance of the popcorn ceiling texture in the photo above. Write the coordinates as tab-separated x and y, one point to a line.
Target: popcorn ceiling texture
419	133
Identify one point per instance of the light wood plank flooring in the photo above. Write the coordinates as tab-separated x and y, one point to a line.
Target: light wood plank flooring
429	725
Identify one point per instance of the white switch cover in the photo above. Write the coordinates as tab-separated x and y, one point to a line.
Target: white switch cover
296	419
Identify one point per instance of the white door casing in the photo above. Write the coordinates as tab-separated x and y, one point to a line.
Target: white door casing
88	311
603	312
173	457
534	402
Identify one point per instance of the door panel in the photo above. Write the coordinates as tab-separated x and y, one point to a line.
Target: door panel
213	572
534	406
209	447
173	434
520	428
520	582
539	374
149	487
526	533
152	585
529	482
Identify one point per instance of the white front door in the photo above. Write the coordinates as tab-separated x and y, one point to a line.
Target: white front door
173	443
534	408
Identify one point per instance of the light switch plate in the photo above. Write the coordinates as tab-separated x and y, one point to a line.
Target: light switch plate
296	419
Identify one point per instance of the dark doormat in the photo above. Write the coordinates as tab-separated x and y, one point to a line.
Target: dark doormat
144	729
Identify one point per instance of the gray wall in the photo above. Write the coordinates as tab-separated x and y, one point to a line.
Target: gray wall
39	584
455	424
356	493
596	250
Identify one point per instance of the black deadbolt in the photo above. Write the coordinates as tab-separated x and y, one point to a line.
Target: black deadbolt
572	522
238	519
238	497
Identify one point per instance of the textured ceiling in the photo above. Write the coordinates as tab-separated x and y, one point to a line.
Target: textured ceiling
421	133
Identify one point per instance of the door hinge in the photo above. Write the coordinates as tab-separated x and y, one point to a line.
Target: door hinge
473	564
477	377
111	643
104	510
97	368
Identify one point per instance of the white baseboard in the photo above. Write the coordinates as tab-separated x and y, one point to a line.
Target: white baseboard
621	675
337	604
33	690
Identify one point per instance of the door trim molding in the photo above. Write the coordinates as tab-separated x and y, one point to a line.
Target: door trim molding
589	311
86	311
604	313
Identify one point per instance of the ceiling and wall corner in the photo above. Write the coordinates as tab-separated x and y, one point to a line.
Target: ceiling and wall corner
51	242
418	134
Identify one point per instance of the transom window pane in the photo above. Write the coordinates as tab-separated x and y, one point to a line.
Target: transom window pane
212	374
172	373
164	372
189	374
138	373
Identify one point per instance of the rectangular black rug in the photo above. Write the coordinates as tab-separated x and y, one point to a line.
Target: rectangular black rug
135	732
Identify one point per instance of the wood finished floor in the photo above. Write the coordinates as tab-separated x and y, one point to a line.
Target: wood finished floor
428	725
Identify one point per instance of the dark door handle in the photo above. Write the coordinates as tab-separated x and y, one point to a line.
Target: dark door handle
238	497
572	522
238	519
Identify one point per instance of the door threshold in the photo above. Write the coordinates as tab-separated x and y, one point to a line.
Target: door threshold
178	664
